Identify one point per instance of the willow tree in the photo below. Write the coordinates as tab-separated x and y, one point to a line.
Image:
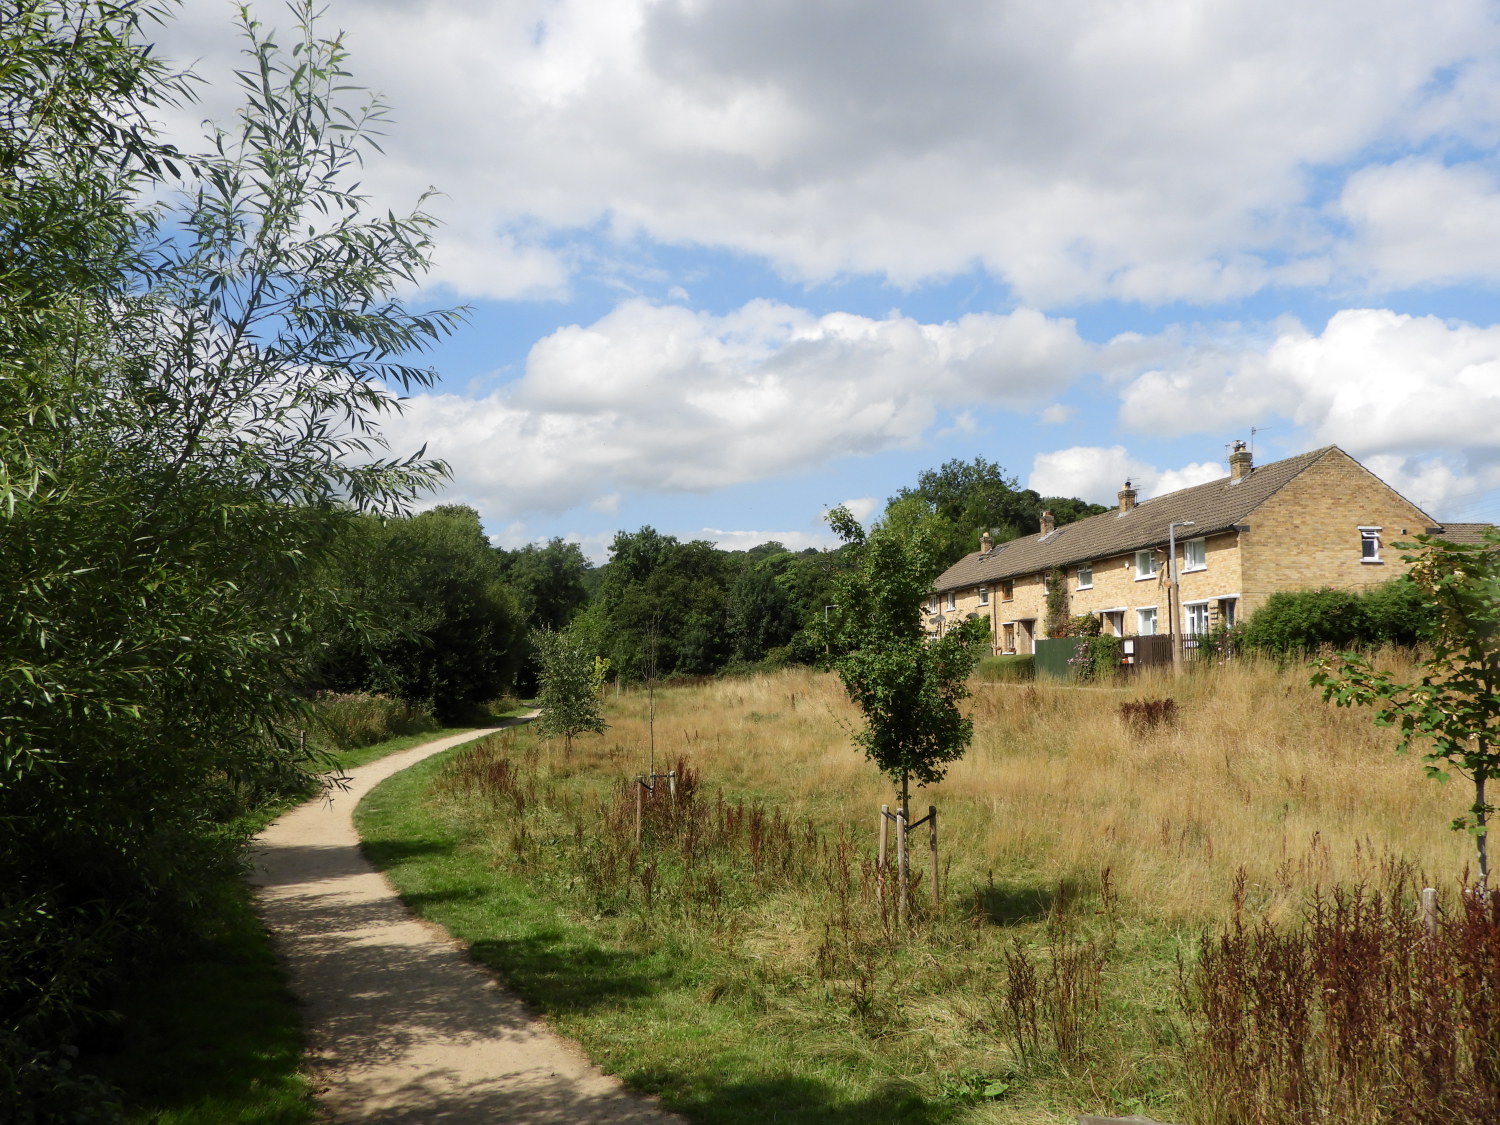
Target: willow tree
190	394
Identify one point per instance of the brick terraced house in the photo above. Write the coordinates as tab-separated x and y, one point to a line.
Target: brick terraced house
1318	519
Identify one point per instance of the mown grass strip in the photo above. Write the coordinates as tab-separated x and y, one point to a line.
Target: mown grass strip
651	1014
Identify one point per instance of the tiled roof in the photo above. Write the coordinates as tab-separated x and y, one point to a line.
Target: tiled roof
1461	532
1213	507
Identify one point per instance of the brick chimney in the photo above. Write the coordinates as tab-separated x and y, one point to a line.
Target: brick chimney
1047	523
986	542
1240	465
1127	498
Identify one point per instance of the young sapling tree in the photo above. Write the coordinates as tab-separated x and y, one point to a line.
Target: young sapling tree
1453	710
570	678
908	686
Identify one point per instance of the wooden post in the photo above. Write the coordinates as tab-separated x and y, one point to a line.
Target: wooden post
640	798
933	850
880	864
672	786
1429	910
302	742
903	868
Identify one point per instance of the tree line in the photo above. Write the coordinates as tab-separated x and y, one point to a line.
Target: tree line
434	615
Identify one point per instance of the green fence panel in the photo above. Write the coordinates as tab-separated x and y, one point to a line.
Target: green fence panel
1052	657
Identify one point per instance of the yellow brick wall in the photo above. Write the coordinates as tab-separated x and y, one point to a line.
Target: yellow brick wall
1307	535
1115	586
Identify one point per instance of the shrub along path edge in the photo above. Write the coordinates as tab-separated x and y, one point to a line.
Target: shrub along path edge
402	1026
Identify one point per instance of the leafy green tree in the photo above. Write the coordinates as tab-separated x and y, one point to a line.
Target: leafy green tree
963	498
549	582
908	686
425	615
570	681
189	397
1453	710
664	602
761	614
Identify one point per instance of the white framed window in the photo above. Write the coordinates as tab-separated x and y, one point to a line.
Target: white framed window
1195	554
1145	564
984	595
1195	619
1145	621
932	604
952	599
1369	544
1086	576
1227	607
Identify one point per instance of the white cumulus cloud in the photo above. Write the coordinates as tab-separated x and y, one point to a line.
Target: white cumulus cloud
665	399
1075	149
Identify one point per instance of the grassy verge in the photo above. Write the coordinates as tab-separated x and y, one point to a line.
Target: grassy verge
217	1040
660	1013
739	963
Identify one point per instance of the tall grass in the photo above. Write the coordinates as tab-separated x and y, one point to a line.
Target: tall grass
1091	837
358	719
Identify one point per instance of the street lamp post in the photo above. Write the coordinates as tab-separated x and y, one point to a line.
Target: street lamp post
1174	594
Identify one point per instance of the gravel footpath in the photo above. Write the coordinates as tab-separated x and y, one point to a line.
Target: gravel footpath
402	1025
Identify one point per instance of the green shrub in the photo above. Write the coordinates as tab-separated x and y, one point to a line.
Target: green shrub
1006	669
1306	620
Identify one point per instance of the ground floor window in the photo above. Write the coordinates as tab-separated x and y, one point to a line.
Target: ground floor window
1008	636
1226	612
1197	618
1145	621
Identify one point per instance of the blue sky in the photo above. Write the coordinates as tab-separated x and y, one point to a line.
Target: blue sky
732	263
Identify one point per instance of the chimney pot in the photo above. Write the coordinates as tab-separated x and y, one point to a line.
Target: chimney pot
1240	462
1127	498
1047	523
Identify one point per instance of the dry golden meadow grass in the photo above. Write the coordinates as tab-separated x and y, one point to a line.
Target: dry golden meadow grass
1256	773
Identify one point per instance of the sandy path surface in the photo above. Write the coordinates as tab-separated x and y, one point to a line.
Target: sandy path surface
402	1026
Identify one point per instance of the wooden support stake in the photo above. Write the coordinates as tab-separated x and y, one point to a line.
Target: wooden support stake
1429	910
672	786
880	864
933	850
903	869
640	798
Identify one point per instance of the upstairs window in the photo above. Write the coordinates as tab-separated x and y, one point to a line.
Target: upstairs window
984	595
952	599
1085	576
1145	564
932	604
1195	555
1007	590
1369	544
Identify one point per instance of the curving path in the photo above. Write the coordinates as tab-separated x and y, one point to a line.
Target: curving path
402	1026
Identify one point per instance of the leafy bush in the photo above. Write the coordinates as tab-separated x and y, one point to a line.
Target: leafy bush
1302	621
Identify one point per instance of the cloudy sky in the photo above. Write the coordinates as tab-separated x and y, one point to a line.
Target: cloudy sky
733	262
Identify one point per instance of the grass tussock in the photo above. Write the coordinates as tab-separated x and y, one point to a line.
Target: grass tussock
1091	838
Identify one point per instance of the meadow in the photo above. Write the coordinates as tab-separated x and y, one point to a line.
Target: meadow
742	962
